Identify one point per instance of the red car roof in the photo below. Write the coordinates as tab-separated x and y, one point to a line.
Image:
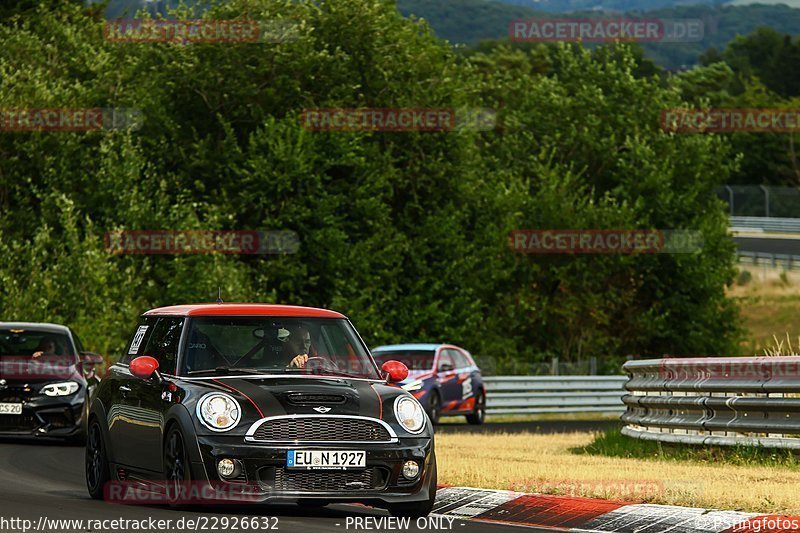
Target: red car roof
233	309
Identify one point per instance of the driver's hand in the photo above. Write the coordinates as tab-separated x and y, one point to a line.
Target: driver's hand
37	354
299	361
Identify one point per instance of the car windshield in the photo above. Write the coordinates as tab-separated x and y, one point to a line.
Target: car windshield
413	359
275	345
27	343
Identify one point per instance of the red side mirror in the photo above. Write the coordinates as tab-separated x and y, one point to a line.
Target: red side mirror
395	371
144	367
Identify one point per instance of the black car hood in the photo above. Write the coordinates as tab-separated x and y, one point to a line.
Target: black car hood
275	396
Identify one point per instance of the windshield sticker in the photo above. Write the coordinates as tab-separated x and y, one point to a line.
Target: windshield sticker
137	339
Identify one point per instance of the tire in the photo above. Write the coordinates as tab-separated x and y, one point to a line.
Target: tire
176	466
97	471
479	415
434	409
418	509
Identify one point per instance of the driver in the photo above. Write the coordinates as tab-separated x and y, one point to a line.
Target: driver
46	346
298	348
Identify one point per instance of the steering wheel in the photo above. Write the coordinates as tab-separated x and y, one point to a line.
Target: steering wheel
321	363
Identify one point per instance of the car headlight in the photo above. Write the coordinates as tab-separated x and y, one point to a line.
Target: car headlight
412	385
409	414
218	411
61	389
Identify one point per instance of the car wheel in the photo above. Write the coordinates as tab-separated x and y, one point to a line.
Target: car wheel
176	466
434	407
479	415
97	471
418	509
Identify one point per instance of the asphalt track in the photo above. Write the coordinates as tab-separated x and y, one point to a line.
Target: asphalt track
768	244
44	479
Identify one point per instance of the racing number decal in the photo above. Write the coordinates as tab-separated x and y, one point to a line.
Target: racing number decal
466	388
137	339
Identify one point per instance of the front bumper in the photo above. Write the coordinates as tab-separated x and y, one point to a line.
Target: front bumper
267	479
43	416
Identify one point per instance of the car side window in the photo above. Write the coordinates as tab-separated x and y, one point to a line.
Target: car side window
78	343
445	361
163	343
139	339
460	359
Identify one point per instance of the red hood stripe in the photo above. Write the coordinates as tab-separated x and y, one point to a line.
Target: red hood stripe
230	387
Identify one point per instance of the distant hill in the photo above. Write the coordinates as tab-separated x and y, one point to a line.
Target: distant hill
469	21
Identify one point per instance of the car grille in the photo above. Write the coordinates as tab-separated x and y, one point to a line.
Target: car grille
279	479
321	429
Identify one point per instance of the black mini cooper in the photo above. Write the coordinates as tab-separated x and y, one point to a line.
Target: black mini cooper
261	403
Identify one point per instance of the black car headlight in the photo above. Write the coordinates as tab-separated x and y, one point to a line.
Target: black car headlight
409	414
218	411
65	388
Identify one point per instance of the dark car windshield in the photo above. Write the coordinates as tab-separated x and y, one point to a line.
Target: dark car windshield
413	359
26	343
272	345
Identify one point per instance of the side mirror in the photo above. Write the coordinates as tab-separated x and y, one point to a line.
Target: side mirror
144	367
91	358
446	367
395	371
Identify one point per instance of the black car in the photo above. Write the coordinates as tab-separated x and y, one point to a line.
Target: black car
280	403
46	379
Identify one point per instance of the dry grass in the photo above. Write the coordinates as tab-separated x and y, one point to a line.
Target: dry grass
769	307
544	463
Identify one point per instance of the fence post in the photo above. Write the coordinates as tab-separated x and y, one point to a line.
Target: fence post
766	200
593	366
730	195
554	366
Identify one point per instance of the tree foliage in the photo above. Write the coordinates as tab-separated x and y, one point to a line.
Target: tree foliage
404	232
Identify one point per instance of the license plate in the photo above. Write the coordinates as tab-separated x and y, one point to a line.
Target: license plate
325	460
10	408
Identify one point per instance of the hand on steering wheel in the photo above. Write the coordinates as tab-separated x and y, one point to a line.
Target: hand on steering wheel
299	361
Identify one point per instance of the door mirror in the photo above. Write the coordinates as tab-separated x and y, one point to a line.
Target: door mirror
395	371
144	367
446	367
91	358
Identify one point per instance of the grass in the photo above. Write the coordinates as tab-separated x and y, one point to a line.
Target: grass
612	466
770	305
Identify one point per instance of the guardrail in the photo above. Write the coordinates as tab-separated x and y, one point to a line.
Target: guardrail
554	394
720	401
773	224
787	262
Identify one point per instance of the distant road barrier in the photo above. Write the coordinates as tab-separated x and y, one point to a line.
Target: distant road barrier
554	394
715	401
786	262
769	224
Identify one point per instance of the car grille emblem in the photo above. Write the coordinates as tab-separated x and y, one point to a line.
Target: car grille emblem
3	384
322	409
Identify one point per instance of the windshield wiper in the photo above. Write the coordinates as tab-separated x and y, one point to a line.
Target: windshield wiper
225	370
326	372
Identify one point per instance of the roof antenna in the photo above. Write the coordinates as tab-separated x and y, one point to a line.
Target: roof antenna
219	295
